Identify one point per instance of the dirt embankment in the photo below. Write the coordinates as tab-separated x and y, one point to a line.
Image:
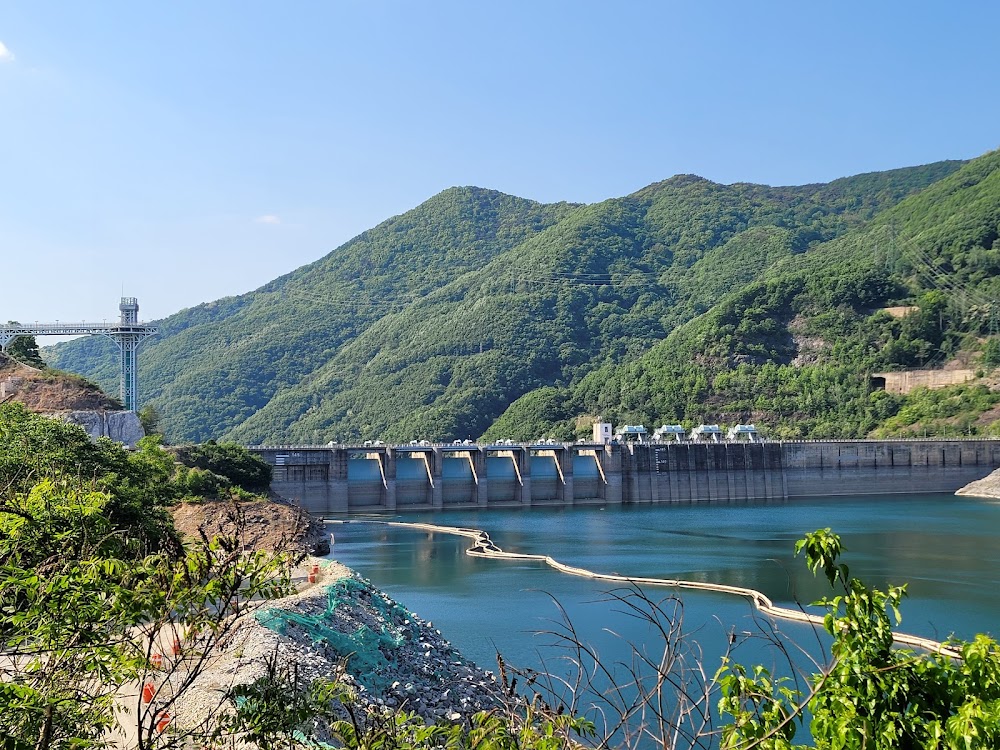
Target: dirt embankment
335	625
342	627
48	391
273	525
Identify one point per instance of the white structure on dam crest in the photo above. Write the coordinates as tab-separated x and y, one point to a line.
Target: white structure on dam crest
342	479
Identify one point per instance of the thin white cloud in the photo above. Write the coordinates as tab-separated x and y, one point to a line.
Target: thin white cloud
5	54
268	219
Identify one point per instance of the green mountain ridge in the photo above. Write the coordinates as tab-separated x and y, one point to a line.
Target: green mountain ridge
462	311
214	365
735	363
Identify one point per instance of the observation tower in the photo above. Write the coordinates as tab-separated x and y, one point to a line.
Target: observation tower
128	334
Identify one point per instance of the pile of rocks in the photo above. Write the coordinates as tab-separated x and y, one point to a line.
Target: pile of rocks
345	628
394	658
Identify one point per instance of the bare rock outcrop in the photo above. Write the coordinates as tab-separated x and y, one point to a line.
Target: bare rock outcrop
988	486
121	426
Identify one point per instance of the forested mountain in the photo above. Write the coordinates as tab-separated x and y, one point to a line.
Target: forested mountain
434	322
215	365
793	350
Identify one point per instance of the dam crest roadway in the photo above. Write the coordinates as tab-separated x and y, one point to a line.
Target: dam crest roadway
341	479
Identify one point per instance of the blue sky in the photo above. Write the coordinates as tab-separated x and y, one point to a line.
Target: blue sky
185	151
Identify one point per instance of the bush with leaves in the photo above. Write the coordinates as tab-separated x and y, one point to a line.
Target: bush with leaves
233	462
138	483
149	418
871	696
93	582
990	356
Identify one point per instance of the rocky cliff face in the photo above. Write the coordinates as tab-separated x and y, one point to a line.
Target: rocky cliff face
70	398
121	426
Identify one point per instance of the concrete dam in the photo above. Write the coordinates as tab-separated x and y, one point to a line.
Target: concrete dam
344	479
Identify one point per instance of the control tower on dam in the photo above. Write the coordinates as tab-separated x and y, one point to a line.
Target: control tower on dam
344	478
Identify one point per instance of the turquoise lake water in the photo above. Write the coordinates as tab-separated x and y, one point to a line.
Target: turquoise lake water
946	548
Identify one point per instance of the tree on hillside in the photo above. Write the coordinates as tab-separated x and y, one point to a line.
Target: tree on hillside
234	462
138	483
25	350
990	356
149	418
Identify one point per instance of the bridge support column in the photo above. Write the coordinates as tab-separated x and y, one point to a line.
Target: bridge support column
128	334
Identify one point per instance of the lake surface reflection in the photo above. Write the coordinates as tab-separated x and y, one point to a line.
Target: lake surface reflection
946	548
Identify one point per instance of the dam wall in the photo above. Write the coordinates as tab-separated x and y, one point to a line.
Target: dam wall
346	479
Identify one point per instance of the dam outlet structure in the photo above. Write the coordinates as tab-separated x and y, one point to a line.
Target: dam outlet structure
343	479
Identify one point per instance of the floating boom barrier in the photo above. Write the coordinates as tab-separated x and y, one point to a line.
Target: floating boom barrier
485	547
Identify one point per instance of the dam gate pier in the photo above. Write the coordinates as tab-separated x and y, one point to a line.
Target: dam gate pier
343	479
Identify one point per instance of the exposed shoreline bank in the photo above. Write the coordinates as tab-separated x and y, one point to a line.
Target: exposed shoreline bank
336	626
343	627
988	487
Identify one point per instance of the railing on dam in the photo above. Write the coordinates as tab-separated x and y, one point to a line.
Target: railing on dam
346	478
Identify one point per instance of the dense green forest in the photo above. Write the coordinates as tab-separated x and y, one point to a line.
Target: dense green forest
794	350
481	314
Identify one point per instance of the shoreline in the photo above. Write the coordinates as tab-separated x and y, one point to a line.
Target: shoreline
987	488
484	547
343	627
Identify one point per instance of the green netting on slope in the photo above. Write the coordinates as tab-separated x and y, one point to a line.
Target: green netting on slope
341	627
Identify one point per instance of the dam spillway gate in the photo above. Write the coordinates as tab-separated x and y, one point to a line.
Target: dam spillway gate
344	479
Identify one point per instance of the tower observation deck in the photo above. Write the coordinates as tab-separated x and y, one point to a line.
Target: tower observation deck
128	334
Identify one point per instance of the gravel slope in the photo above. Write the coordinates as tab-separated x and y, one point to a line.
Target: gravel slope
342	626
